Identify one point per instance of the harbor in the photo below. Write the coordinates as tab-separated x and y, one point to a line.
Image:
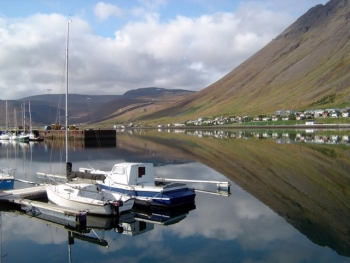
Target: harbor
34	200
261	202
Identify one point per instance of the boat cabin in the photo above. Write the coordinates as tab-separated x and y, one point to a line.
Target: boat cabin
133	173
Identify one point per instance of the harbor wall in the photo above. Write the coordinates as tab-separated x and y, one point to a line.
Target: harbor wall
83	135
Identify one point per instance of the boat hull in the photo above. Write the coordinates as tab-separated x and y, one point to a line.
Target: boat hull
94	204
156	197
7	184
7	179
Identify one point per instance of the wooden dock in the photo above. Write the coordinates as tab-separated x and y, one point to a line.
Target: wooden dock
37	192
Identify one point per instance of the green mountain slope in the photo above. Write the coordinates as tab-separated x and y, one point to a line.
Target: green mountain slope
306	66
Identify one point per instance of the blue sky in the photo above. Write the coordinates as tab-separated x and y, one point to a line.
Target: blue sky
119	45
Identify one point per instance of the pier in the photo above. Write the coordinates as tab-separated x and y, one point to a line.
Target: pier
27	198
83	135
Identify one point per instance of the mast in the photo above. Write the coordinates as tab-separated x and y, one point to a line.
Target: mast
15	120
30	119
24	118
66	117
7	124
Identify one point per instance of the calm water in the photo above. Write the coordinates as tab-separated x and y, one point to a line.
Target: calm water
289	199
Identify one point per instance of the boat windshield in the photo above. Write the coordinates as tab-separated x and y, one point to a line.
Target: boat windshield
118	170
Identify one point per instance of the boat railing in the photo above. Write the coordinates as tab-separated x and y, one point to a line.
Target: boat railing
221	185
9	172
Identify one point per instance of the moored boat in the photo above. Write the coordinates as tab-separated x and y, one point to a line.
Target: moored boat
137	180
7	178
88	197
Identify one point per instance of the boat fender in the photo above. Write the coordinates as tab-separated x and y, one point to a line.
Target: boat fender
118	203
119	229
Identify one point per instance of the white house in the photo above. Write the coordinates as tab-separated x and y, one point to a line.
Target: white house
310	122
335	114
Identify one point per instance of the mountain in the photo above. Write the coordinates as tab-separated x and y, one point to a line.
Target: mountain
90	109
306	66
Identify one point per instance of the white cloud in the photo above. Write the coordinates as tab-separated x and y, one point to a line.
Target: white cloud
103	11
182	52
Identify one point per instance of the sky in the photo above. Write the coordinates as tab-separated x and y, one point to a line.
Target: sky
120	45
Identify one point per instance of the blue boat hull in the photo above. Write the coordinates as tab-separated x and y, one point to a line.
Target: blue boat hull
6	184
155	198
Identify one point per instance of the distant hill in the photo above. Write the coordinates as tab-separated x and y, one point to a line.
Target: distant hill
134	103
145	92
56	98
50	108
306	66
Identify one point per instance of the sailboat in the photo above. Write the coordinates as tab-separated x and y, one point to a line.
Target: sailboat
32	136
86	196
7	175
6	135
14	136
23	137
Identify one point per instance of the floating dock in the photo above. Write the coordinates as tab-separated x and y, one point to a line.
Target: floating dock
25	198
37	192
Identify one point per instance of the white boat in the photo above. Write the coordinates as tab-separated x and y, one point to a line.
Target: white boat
7	178
31	135
23	137
138	180
88	197
14	136
6	135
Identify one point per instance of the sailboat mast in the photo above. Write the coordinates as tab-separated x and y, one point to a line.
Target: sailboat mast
7	124
30	118
24	118
66	117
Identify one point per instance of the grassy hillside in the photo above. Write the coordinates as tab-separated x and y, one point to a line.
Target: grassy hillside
306	66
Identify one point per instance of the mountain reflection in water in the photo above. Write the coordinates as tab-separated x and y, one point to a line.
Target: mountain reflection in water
308	183
292	174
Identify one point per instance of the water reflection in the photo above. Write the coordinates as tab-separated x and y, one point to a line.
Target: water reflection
280	136
95	230
306	185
